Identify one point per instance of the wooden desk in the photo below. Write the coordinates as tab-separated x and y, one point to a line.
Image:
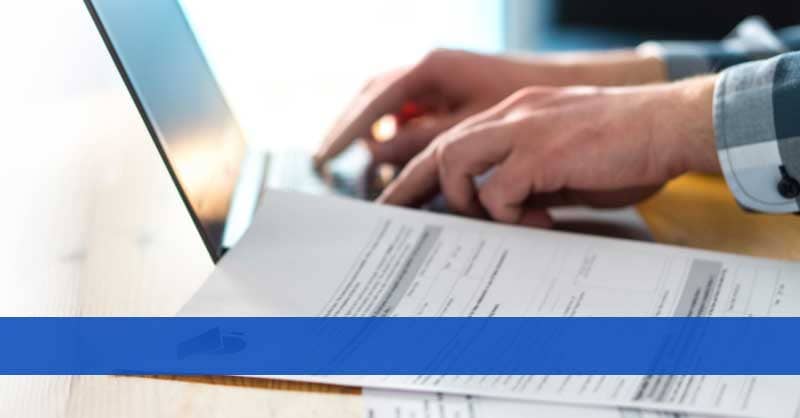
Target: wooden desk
97	229
699	211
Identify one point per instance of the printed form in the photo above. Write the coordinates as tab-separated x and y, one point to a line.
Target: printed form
381	403
329	256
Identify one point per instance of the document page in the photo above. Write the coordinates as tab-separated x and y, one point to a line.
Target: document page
329	256
381	403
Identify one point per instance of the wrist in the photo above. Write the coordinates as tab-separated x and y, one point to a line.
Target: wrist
683	120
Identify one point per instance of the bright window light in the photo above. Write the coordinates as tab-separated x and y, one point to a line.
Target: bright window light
289	67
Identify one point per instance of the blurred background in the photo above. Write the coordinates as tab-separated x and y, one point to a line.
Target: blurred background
85	195
288	67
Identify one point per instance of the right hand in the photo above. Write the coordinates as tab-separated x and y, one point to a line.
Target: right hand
454	85
576	146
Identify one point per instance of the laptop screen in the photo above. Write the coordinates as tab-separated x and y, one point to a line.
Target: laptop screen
183	107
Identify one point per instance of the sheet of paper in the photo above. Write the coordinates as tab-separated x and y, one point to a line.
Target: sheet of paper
381	403
329	256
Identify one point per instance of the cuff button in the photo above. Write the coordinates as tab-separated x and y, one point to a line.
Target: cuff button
788	187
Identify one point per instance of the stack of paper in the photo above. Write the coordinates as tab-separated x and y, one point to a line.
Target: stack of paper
329	256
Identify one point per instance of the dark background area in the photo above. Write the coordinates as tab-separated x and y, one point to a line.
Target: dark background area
673	18
587	24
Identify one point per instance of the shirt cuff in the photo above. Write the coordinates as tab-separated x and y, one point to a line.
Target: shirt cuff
752	39
758	139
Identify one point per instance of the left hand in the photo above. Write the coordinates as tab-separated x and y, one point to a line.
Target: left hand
454	85
593	146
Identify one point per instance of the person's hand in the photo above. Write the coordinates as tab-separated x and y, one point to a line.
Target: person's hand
450	86
542	147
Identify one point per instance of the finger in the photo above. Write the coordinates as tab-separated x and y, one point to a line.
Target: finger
416	183
505	192
412	138
467	155
381	97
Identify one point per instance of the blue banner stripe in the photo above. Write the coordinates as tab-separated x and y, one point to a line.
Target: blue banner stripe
511	346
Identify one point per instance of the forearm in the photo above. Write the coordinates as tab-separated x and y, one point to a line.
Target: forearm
601	68
741	123
612	68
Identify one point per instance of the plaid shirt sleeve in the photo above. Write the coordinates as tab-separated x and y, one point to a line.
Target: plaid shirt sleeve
751	40
756	121
756	109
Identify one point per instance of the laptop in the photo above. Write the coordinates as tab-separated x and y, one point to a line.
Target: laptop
219	177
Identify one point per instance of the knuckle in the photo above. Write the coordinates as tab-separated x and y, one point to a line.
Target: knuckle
437	59
517	97
531	91
530	94
515	100
446	154
438	154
